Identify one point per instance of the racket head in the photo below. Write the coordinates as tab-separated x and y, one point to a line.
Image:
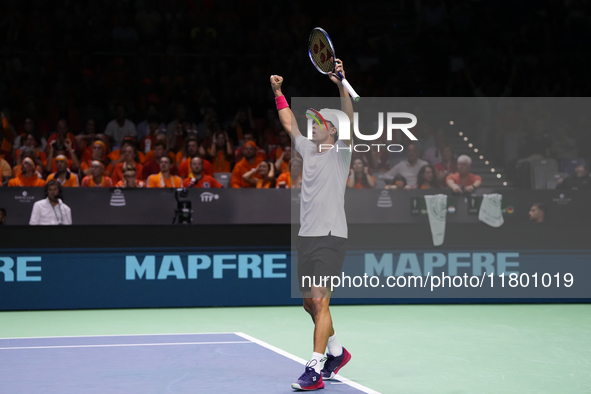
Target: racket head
320	50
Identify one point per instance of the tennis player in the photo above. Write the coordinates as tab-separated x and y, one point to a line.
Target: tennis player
323	231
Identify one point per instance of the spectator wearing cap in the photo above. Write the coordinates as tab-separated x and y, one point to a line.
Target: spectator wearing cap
249	136
63	175
27	176
221	152
55	149
129	158
51	210
130	180
120	127
463	180
293	178
30	153
197	178
190	150
97	177
164	178
249	162
99	150
408	168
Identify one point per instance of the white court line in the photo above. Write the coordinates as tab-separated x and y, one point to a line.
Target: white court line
123	335
303	362
122	345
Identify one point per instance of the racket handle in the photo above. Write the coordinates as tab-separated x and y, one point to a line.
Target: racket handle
350	89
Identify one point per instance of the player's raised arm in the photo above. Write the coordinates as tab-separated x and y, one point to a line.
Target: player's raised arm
346	104
286	117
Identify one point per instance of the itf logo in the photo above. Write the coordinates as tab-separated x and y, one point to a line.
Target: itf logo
208	197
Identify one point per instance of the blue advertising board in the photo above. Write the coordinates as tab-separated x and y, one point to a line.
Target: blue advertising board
193	277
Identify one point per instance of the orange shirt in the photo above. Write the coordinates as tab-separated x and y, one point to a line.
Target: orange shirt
470	179
359	185
158	180
262	184
20	180
114	156
117	174
205	182
286	177
16	171
220	163
122	184
185	168
71	179
88	181
241	168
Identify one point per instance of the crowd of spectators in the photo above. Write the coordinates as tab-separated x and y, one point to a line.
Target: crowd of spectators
103	92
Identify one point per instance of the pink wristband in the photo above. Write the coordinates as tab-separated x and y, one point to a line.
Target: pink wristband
281	102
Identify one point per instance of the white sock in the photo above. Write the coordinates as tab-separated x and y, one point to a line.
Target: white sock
334	346
316	361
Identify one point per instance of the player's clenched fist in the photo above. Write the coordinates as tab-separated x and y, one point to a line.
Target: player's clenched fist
276	82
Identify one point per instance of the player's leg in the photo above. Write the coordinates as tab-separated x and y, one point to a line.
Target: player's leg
332	263
311	378
322	319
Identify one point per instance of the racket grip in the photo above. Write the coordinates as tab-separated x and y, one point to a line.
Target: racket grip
350	89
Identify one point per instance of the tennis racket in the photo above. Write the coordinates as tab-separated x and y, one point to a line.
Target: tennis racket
320	50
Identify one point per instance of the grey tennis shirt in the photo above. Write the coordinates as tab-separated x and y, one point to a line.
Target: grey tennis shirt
324	181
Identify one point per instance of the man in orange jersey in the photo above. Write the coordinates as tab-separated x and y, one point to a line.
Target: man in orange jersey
99	150
97	177
192	149
63	175
197	178
152	166
28	176
164	178
248	162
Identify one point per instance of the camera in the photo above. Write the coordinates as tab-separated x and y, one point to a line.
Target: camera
183	211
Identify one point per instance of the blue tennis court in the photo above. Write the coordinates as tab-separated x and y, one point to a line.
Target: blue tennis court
177	363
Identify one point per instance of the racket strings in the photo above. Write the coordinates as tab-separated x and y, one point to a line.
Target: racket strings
321	51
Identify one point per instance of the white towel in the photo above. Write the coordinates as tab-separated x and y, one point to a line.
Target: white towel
490	210
437	212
